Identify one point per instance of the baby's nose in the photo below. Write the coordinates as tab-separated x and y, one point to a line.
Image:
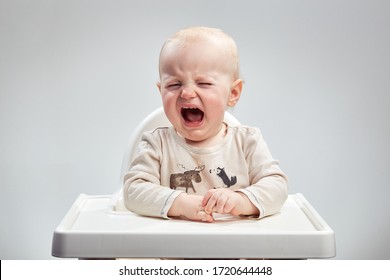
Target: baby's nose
187	92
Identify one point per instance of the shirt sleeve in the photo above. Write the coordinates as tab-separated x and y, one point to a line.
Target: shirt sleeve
268	183
143	193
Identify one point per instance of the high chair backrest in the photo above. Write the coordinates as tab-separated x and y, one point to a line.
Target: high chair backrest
155	119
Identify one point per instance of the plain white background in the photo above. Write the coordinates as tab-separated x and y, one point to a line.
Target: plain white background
77	76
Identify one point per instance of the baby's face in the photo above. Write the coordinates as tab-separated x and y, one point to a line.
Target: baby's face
196	87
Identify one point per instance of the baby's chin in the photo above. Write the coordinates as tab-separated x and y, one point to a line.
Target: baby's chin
192	137
202	139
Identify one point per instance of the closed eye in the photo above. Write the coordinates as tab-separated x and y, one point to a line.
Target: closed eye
173	86
204	84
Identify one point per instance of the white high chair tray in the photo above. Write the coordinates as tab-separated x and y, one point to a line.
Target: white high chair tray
91	229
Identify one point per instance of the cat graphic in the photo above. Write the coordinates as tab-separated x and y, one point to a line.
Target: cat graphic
225	178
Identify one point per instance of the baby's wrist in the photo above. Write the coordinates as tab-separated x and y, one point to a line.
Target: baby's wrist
177	206
248	208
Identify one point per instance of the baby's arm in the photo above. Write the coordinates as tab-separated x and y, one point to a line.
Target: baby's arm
189	207
225	201
267	189
142	189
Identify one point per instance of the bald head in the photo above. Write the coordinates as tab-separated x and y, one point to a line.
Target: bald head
205	35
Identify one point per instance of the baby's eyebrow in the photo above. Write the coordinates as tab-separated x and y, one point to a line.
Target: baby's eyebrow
209	77
168	78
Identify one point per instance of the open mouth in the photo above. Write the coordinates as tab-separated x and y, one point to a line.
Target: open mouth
192	115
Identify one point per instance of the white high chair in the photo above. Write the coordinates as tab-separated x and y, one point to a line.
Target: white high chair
100	227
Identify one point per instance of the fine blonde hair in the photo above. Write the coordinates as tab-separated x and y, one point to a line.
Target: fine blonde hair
217	36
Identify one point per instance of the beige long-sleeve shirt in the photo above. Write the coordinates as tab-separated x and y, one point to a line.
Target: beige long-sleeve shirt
166	166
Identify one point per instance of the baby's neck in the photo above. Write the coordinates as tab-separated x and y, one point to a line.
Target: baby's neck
210	142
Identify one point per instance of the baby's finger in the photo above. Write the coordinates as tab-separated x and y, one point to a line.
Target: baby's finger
206	197
229	205
221	203
204	217
212	202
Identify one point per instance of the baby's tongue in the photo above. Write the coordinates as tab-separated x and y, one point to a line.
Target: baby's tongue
193	115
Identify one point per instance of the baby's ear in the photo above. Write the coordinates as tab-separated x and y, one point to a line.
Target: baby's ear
235	92
158	84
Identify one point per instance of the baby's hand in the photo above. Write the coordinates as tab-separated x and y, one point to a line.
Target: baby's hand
225	201
190	207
